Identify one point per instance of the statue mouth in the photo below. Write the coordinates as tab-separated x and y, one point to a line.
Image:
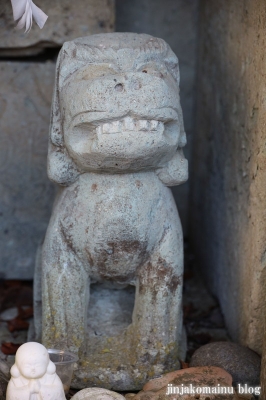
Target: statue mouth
98	123
128	124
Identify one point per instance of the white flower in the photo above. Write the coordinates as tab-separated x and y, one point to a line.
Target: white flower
24	10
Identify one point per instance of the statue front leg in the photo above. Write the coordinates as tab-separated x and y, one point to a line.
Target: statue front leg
65	296
157	316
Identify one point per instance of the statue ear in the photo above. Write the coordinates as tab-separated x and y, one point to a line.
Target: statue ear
51	368
175	171
174	69
182	138
15	372
61	168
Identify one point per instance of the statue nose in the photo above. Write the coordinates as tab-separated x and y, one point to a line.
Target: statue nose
129	83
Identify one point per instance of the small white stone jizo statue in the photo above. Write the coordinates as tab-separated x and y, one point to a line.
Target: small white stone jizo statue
33	376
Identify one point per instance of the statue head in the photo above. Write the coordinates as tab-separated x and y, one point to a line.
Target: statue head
116	106
32	361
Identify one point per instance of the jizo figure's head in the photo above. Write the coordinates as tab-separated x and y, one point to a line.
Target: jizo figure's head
32	361
116	106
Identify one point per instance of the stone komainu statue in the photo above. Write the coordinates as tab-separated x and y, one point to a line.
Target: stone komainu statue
115	145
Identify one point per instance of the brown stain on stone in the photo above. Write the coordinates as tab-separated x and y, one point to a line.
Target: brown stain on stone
155	276
138	184
94	187
90	259
67	239
114	251
127	246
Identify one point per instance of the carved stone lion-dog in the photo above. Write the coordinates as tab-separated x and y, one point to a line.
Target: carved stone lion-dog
115	146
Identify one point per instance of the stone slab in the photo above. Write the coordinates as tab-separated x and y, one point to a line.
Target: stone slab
26	193
67	20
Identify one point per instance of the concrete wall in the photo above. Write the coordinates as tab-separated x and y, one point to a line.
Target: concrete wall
228	199
176	21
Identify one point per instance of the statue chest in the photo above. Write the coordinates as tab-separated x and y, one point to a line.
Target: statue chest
114	221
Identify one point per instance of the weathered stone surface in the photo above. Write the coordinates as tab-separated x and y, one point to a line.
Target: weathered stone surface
67	20
228	219
97	394
175	21
26	193
115	145
205	377
241	362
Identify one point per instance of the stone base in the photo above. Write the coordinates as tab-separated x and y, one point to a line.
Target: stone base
114	358
118	364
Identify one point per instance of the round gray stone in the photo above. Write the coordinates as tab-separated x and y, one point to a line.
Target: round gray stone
239	361
97	394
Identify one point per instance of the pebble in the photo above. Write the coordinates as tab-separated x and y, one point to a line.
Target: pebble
97	394
239	361
9	314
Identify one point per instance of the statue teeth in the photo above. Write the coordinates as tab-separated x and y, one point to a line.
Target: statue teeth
106	128
115	127
129	124
99	130
154	124
143	125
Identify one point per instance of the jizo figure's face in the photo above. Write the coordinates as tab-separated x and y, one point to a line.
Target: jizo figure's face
33	367
121	118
